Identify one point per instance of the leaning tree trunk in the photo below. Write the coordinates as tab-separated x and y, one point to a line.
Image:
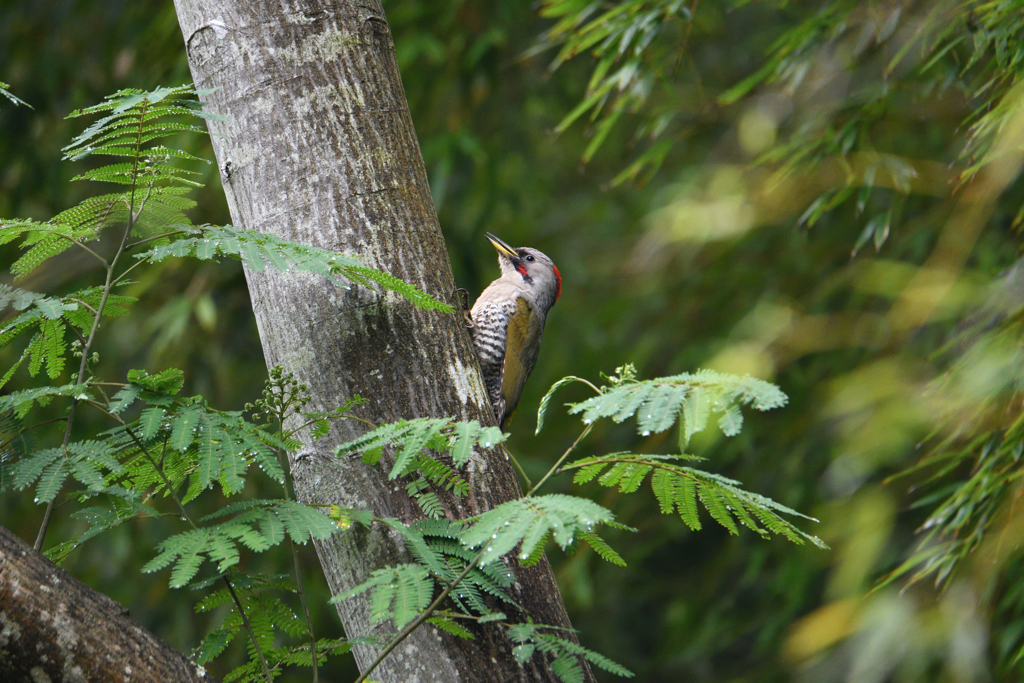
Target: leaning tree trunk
55	628
317	146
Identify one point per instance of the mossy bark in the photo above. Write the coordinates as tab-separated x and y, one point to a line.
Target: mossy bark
55	628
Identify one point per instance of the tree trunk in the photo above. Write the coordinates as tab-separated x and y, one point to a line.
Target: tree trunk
55	628
317	146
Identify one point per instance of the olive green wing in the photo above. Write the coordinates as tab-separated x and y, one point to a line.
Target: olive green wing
522	343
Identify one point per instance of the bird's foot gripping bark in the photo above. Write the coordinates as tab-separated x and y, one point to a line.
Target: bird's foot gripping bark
461	297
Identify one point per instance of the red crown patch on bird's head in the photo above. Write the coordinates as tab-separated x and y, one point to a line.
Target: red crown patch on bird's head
558	277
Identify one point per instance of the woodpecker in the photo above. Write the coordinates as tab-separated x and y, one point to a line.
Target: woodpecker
508	320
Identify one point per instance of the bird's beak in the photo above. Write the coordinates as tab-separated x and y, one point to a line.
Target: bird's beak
502	248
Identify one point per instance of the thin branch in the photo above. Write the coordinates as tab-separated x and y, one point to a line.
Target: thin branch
519	467
137	243
97	316
565	455
43	525
128	270
82	245
81	339
28	429
305	610
248	627
79	301
415	623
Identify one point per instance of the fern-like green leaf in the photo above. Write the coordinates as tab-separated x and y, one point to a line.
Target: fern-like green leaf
527	521
416	439
51	480
188	558
222	550
411	437
664	489
695	414
731	421
657	403
614	475
686	496
679	488
303	522
587	473
398	593
530	638
272	529
20	402
86	471
595	658
714	503
660	407
544	402
258	251
567	669
124	398
213	645
169	549
430	504
11	97
464	438
184	430
208	466
448	625
31	466
603	549
413	592
150	422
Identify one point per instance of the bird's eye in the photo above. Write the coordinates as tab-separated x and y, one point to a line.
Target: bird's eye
529	258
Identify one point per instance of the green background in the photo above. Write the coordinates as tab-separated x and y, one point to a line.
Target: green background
779	300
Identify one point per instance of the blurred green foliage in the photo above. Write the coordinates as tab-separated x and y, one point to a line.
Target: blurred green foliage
821	194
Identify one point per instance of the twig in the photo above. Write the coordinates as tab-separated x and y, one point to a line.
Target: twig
28	429
97	316
248	627
519	468
415	623
79	301
77	243
565	455
128	270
